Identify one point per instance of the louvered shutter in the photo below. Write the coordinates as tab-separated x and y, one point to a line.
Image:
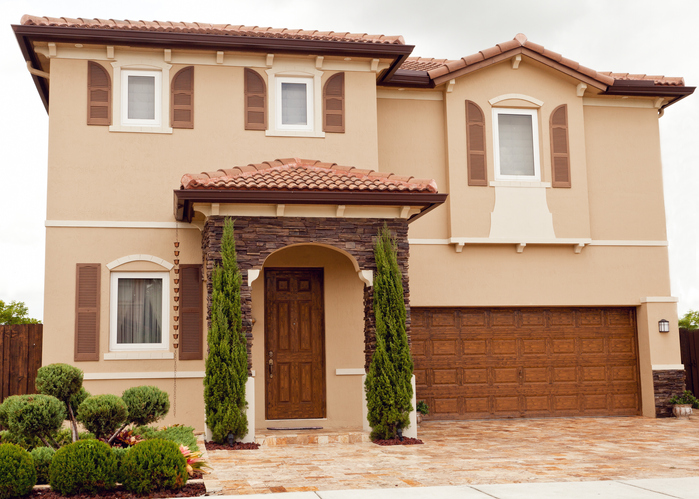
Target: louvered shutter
87	311
255	101
99	95
475	145
182	99
334	104
560	153
191	313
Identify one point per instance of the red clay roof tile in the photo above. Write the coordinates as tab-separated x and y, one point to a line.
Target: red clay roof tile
214	29
303	174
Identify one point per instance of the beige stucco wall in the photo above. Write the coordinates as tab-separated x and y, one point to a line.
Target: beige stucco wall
344	334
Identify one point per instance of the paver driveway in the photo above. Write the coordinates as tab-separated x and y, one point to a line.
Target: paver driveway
473	452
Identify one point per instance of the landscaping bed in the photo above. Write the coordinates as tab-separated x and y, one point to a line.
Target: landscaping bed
398	441
235	446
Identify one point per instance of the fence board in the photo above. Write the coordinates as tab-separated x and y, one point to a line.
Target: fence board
20	358
689	350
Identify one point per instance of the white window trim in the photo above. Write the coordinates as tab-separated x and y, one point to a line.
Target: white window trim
308	127
298	69
139	62
158	114
113	303
535	138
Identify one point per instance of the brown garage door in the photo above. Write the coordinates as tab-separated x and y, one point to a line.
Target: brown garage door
526	362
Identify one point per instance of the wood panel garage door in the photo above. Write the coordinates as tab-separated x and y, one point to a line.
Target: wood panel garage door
526	362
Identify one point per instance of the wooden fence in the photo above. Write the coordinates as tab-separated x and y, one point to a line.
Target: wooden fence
689	348
20	358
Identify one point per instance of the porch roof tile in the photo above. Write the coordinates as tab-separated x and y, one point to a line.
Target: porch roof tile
304	175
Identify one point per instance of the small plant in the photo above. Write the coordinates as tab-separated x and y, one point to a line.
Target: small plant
146	404
686	398
36	416
126	438
42	461
194	461
422	408
17	473
64	382
153	465
103	415
85	467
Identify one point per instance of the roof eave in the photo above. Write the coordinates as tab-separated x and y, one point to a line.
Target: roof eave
649	89
185	198
409	79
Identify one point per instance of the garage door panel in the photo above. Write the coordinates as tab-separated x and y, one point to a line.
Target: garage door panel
485	363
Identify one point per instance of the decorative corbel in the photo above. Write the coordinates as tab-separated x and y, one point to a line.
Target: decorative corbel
219	57
374	65
167	55
450	85
516	60
319	62
52	50
520	247
270	60
580	89
110	52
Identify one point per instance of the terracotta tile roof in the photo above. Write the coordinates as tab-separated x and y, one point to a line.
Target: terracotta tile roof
210	29
441	67
304	175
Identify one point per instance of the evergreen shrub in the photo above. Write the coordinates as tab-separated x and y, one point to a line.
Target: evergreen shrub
36	416
103	415
119	455
146	404
64	382
85	467
153	465
42	461
17	473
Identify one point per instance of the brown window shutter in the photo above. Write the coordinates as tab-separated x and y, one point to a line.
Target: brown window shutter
334	104
182	99
87	311
475	145
191	313
99	95
255	101
560	153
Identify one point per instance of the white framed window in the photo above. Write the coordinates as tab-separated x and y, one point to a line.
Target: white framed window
294	102
516	144
138	311
141	98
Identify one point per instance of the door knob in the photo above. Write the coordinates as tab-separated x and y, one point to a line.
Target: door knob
270	363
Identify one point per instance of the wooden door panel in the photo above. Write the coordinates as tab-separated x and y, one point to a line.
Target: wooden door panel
485	363
295	343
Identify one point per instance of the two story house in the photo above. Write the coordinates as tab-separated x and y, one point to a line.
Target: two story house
524	191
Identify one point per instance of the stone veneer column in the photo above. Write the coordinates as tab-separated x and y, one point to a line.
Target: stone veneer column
258	237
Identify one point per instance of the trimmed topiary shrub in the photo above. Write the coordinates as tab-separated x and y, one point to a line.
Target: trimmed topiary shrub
42	461
17	473
85	467
146	404
64	382
36	416
227	362
103	415
153	465
119	455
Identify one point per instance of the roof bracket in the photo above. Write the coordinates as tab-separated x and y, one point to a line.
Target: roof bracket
340	212
270	60
450	85
167	55
219	57
459	247
319	62
215	207
404	212
280	210
580	89
520	247
516	60
52	50
578	248
375	65
658	103
110	51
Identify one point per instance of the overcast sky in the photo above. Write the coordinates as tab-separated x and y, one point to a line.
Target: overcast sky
636	36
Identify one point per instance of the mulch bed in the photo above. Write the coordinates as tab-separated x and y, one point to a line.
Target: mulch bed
235	446
189	490
398	441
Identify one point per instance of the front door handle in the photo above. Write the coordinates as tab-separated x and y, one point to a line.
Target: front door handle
270	363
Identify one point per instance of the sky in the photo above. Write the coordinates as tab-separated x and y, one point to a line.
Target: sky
635	36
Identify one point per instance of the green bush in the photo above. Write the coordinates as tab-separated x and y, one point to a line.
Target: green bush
686	398
66	384
153	465
86	467
39	416
17	473
42	461
103	414
181	435
77	399
7	437
146	404
6	408
119	455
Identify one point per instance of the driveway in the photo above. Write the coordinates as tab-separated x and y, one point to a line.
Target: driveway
472	452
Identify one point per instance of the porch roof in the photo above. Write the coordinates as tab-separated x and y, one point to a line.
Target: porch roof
303	181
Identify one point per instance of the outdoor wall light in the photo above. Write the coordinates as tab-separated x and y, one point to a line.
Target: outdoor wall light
663	326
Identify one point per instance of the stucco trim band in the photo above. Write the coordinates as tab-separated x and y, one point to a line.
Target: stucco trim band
659	299
139	258
350	372
144	375
115	224
668	367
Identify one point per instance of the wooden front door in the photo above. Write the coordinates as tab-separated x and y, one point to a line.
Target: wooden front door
294	344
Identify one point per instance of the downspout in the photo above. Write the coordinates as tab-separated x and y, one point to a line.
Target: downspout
37	72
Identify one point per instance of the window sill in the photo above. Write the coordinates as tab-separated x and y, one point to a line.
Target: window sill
138	355
140	129
294	133
518	183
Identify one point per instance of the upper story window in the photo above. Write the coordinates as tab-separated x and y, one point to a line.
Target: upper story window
138	311
516	144
294	99
141	98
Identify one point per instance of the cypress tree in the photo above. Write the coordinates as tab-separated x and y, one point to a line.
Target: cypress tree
227	362
388	387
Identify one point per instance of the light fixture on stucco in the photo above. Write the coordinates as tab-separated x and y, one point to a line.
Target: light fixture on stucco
663	326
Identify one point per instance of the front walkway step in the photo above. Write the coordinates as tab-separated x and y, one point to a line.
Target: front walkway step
277	438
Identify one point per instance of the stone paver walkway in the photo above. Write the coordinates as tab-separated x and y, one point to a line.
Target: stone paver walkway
472	452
